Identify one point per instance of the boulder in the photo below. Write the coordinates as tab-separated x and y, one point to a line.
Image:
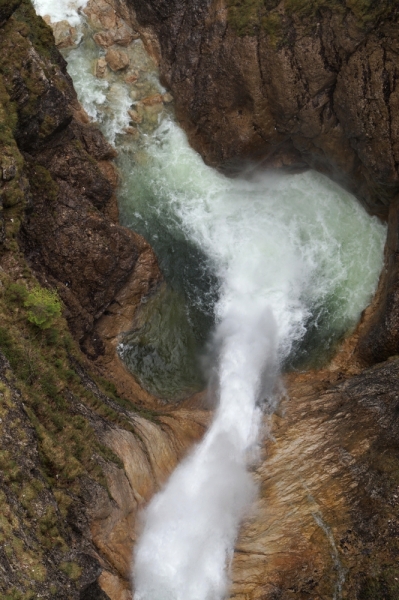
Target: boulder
117	59
65	36
100	68
121	35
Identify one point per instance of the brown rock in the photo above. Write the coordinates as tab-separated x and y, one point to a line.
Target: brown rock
380	336
114	587
100	68
121	35
152	100
157	448
135	116
131	78
117	59
65	36
167	98
132	131
102	14
326	505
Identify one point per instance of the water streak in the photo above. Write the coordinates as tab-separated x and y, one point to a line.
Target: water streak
61	10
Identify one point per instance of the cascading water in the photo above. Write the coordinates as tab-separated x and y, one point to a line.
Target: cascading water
290	259
288	251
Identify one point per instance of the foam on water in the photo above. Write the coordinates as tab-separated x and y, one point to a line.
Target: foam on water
105	101
285	248
60	10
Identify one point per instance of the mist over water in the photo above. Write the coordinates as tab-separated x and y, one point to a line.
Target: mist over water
289	253
276	266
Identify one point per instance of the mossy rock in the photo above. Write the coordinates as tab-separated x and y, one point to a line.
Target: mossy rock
250	17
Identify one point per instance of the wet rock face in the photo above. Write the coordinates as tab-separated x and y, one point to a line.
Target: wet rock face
326	522
315	89
70	232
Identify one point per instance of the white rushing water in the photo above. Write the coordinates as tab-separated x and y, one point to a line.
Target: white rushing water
60	10
284	248
290	253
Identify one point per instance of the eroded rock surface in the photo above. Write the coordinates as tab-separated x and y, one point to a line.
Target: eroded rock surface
70	234
326	523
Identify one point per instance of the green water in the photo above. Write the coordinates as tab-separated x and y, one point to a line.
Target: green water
299	244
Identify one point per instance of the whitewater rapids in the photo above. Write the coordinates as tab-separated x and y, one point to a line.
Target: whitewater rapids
288	251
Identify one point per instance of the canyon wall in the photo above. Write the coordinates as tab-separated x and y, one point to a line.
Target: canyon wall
79	457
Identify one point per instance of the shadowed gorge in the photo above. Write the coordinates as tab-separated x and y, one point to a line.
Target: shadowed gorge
133	275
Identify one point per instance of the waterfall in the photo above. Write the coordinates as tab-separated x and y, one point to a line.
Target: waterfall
292	256
288	251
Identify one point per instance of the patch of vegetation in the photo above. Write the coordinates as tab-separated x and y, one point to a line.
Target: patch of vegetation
42	184
44	307
245	15
249	17
38	32
71	569
15	594
384	586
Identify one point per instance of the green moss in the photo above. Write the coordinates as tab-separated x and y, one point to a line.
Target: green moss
245	15
71	569
248	17
11	472
384	586
272	25
16	293
44	307
15	594
42	184
38	32
47	126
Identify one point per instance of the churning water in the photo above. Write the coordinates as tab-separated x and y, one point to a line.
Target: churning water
276	265
291	254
